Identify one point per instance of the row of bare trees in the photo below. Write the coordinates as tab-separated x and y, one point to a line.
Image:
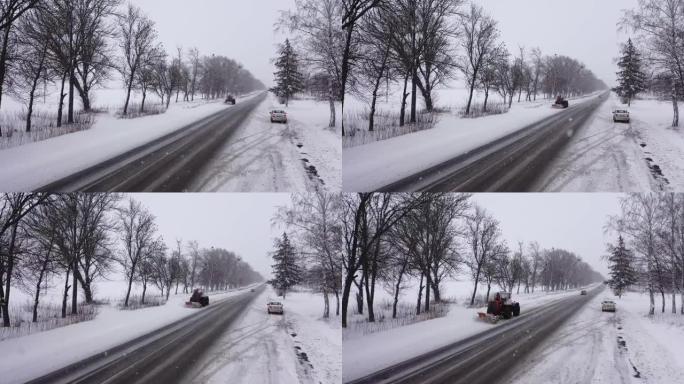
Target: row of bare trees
78	45
394	240
423	44
78	239
653	228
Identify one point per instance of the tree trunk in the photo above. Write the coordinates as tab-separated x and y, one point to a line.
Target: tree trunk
65	297
369	299
484	108
427	292
8	273
331	101
675	107
402	114
70	114
74	290
129	88
142	298
346	291
130	284
36	299
420	295
651	310
337	303
3	63
396	295
477	280
471	92
326	305
142	104
346	57
414	95
62	95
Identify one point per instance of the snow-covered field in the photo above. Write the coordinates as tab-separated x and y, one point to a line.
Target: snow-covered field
297	347
34	165
375	165
366	354
63	346
643	156
299	156
622	348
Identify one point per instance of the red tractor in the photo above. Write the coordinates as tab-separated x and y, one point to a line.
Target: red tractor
197	300
501	307
561	103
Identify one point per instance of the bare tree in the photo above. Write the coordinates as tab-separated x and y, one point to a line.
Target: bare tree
483	238
137	235
14	208
354	10
137	40
32	65
480	43
195	66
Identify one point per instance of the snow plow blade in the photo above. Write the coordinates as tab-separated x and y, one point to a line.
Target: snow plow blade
489	318
189	304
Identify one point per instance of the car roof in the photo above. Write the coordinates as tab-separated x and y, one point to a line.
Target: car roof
622	110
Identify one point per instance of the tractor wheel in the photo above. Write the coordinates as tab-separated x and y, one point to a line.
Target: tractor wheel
516	309
491	308
506	312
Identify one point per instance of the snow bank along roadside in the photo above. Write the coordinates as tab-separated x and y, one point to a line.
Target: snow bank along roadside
320	338
653	341
29	357
31	166
375	165
663	145
364	355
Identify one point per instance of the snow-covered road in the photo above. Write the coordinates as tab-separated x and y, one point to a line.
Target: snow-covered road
262	348
598	347
264	157
584	350
615	157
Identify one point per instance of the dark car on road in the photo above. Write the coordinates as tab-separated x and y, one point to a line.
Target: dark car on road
230	100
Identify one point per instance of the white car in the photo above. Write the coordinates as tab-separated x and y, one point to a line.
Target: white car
279	116
274	307
608	306
621	115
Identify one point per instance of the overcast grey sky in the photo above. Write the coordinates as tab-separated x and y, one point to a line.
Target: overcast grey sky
237	222
240	29
574	222
583	29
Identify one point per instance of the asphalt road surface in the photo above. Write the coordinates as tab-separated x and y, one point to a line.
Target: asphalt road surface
510	164
168	164
489	356
162	356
